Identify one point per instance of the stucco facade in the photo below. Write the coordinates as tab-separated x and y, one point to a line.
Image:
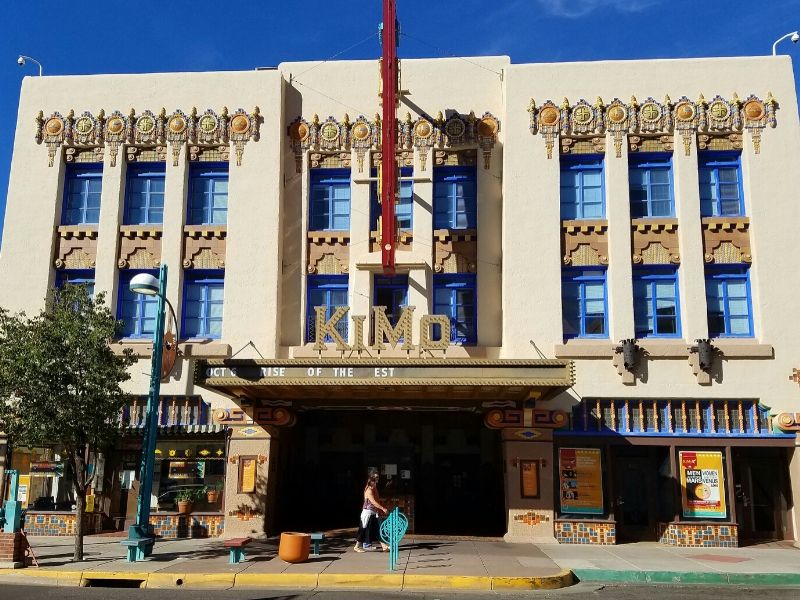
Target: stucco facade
516	251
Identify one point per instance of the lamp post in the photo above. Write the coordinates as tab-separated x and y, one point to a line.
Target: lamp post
21	62
146	284
794	35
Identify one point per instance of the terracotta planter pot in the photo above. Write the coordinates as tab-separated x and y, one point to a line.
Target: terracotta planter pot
184	507
294	547
212	497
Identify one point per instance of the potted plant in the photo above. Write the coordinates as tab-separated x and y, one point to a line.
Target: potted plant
212	493
185	499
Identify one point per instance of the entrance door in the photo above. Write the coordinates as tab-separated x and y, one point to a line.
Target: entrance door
759	486
637	491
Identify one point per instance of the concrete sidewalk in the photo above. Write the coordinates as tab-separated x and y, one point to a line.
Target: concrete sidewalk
425	562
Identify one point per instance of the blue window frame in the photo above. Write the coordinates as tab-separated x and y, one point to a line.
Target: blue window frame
721	192
203	295
82	186
76	277
208	194
582	187
137	312
656	307
403	208
584	303
650	178
329	291
730	307
454	198
391	292
330	200
144	194
455	296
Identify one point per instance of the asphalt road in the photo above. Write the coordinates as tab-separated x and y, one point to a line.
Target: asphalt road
596	592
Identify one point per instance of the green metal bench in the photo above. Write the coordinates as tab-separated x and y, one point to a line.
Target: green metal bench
236	547
138	549
316	539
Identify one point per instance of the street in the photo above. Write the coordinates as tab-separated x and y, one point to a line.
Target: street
623	592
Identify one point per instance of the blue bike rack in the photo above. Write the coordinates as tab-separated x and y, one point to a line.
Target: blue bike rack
392	531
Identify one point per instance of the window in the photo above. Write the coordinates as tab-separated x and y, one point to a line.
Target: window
454	198
650	177
144	194
455	296
76	277
730	312
137	312
582	187
208	194
404	206
203	293
82	186
721	184
583	298
391	292
330	200
655	303
329	291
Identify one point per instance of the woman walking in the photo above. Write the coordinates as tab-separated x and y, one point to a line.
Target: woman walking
368	525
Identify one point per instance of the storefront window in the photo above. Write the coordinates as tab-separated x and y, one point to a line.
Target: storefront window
193	469
42	485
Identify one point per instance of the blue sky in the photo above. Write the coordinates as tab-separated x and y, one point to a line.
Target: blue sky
86	36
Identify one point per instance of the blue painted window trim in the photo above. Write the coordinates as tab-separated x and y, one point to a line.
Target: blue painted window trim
135	328
648	163
334	290
445	205
152	200
580	279
711	162
391	285
205	281
725	275
404	208
205	198
455	284
650	278
76	277
83	211
328	181
578	166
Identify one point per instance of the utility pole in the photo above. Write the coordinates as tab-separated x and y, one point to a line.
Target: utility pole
388	177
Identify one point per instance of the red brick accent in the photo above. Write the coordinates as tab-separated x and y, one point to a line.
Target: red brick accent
12	547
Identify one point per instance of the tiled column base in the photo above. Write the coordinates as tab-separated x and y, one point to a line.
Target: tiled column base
602	533
175	526
12	549
699	535
61	523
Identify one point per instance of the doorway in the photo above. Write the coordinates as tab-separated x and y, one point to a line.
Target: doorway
643	491
760	491
445	468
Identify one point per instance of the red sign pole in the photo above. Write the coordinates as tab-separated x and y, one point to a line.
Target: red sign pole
389	136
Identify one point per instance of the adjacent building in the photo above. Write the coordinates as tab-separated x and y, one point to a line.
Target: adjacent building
589	336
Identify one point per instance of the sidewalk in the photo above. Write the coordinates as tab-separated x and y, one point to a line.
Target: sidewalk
425	562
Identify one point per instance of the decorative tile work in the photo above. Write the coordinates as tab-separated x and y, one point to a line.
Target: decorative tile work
175	526
532	518
690	535
60	523
602	533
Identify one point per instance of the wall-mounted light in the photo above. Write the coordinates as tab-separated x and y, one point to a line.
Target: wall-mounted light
630	353
705	354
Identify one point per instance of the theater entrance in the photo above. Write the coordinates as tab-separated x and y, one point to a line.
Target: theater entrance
443	468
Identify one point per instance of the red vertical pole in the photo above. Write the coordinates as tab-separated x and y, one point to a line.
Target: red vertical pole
389	136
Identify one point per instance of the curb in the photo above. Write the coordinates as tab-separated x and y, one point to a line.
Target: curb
687	577
305	581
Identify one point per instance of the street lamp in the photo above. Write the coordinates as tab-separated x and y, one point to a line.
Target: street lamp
146	284
21	62
794	36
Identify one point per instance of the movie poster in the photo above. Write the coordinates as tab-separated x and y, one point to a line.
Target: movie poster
702	485
580	477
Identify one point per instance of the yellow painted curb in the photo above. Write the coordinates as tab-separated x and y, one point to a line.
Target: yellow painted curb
548	582
63	578
351	580
164	580
299	580
461	582
216	581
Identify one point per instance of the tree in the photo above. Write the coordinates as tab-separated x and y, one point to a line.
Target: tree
60	384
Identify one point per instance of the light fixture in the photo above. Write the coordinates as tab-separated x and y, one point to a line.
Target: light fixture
630	353
705	354
793	35
144	283
21	59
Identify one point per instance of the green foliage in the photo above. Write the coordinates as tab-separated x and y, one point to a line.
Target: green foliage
190	494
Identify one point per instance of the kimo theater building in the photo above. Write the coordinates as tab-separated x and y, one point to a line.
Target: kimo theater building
584	333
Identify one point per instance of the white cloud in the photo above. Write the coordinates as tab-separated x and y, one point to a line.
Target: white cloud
574	9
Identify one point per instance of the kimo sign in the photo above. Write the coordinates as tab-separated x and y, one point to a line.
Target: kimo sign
383	330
